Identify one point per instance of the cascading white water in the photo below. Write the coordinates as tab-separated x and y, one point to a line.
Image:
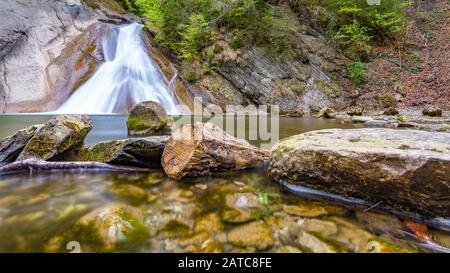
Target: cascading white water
128	76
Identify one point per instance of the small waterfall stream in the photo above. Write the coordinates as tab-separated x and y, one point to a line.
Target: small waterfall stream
128	76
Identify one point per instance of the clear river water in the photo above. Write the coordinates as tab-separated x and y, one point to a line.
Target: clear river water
39	210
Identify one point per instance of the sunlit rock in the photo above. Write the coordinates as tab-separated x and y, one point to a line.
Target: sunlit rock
58	138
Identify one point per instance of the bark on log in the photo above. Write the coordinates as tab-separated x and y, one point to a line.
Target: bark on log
203	148
38	164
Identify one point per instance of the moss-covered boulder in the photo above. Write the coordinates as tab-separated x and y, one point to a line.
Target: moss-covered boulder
255	234
11	146
140	152
408	170
58	138
111	227
240	207
148	118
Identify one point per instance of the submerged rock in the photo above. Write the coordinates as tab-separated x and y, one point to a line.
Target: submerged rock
288	249
148	118
210	222
254	234
406	169
11	146
432	111
140	152
58	138
111	226
240	207
310	243
305	210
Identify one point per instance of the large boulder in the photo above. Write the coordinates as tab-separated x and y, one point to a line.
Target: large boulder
11	146
141	152
59	137
148	118
406	169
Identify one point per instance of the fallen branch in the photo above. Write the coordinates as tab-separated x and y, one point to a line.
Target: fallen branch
39	164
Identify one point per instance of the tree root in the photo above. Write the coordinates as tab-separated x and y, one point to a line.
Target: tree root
38	164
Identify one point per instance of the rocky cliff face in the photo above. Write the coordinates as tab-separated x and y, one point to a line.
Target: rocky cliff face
47	49
314	78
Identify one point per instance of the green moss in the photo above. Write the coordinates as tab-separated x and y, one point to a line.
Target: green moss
175	228
101	152
387	100
329	88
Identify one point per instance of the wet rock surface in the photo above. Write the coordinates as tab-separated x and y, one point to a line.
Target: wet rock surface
60	137
12	146
147	118
406	169
140	152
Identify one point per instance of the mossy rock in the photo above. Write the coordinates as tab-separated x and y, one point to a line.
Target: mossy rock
240	207
326	113
110	228
312	242
140	152
11	146
59	138
148	118
255	234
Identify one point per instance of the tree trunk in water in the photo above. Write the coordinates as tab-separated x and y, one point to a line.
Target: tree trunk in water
204	148
38	164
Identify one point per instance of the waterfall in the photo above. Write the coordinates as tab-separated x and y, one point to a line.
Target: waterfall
128	76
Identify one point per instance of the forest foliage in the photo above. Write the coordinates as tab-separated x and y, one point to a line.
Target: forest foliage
190	27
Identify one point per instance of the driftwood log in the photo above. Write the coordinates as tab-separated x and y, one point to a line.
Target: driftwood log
203	148
39	164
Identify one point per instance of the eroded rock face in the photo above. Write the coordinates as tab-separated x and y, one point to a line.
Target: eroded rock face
58	138
48	49
308	81
406	169
141	152
32	35
148	118
11	146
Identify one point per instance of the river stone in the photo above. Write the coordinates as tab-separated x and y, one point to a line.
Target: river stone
254	234
326	113
376	123
310	243
148	118
322	227
210	222
406	169
140	152
360	119
111	226
58	138
432	111
240	207
11	146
